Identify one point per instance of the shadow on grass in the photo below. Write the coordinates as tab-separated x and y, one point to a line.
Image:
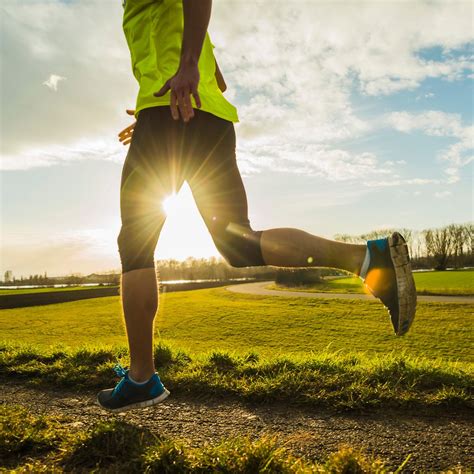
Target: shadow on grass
119	447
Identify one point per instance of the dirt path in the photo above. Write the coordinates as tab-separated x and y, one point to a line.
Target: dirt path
259	289
435	442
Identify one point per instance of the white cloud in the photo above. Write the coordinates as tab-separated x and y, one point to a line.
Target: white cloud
80	41
400	182
440	124
323	41
292	71
60	154
298	65
53	81
311	160
432	122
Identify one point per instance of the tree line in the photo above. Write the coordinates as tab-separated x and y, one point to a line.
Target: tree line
438	248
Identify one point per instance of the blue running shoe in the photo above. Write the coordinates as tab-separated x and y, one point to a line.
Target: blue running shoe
387	273
128	394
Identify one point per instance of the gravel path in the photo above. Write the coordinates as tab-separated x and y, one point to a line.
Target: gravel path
259	289
436	442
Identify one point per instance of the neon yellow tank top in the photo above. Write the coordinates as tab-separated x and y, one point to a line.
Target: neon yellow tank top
154	32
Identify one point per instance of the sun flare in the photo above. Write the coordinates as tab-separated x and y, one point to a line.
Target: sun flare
184	233
171	204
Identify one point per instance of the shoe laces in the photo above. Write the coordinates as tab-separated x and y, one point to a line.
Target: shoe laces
119	370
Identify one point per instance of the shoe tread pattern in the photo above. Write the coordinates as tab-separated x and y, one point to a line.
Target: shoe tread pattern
405	283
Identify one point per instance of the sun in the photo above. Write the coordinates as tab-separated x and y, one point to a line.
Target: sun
184	233
171	204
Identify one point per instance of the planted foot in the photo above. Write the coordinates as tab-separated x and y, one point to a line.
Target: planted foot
128	394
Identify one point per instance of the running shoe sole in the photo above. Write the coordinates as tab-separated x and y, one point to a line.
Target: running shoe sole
144	404
405	283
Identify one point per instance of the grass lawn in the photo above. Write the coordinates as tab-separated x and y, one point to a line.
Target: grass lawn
201	321
335	353
453	282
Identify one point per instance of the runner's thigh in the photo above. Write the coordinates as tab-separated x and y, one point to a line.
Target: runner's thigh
219	192
215	181
151	172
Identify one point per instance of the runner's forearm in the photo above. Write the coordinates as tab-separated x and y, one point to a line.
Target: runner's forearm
196	20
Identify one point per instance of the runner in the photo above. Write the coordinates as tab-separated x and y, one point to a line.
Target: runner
185	131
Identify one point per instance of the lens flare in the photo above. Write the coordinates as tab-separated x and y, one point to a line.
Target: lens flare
372	278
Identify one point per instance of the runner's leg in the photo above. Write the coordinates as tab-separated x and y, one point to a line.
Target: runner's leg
149	175
383	264
221	199
286	247
219	193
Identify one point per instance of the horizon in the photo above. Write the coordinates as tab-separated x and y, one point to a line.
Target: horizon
342	130
416	241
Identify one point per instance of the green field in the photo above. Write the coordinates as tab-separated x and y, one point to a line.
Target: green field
214	344
204	320
332	353
459	282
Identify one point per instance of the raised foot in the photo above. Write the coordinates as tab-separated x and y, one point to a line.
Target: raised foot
390	278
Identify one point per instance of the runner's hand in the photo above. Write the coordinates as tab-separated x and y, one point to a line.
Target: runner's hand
125	136
182	85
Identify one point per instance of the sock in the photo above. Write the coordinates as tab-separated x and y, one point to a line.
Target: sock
365	265
138	383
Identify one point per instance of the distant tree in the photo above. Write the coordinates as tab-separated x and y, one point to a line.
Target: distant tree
439	246
469	235
458	233
298	276
376	234
348	239
430	248
74	279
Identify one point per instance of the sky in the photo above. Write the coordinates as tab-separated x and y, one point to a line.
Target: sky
354	116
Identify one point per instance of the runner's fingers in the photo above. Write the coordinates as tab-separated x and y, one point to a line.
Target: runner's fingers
187	106
127	141
127	130
124	137
164	89
183	109
130	111
174	108
197	99
128	137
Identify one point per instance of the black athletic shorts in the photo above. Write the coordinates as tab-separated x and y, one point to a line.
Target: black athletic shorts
163	153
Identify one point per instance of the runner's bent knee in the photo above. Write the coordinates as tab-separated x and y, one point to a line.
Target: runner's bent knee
239	244
142	220
136	244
